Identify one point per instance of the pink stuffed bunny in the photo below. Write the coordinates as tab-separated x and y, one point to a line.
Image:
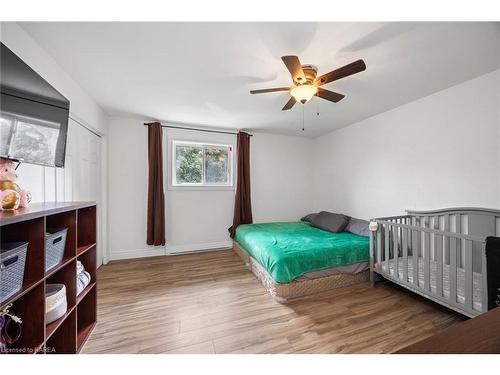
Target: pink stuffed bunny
11	195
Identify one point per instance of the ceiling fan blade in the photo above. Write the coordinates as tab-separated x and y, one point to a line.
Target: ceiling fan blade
270	90
295	68
347	70
329	95
289	104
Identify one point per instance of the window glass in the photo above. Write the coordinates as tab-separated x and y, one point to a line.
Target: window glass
216	165
201	164
188	164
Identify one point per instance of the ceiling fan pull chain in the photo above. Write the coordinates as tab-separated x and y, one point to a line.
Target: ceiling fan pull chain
302	118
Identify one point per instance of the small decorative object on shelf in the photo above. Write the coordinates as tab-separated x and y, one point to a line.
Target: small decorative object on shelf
10	328
11	195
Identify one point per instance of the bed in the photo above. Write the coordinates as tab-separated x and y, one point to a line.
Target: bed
294	259
439	254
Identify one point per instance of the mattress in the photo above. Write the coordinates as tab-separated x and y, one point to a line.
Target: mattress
292	249
301	286
476	279
350	269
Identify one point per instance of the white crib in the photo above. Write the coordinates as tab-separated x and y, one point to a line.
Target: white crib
439	254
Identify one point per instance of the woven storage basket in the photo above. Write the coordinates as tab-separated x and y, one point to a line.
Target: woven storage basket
12	264
55	243
56	304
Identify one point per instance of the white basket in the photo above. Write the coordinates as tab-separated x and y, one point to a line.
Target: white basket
56	304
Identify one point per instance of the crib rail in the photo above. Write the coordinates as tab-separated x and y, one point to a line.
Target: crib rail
436	263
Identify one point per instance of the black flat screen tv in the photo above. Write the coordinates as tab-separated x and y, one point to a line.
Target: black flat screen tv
33	115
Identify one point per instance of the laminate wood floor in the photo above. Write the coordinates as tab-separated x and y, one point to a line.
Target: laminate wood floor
211	303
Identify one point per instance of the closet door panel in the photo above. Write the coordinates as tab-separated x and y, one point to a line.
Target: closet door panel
84	167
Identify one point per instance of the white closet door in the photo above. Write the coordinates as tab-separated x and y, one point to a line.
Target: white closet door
82	172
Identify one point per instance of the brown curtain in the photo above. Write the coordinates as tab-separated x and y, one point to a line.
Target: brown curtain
242	201
156	197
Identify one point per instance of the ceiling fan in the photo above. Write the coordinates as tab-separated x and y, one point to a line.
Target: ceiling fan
307	84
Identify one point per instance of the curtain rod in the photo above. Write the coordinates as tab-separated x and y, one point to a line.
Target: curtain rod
198	130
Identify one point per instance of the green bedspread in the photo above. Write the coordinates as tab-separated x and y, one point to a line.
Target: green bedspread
289	250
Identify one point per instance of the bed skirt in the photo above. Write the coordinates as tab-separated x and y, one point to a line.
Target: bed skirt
294	289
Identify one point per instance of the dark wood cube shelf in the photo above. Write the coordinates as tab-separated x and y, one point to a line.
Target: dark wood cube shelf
67	334
86	316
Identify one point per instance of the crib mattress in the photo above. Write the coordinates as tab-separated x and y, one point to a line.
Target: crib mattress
476	279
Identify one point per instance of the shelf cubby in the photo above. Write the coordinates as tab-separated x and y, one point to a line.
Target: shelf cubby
87	316
84	292
63	220
30	231
67	334
87	230
33	330
67	276
63	339
88	259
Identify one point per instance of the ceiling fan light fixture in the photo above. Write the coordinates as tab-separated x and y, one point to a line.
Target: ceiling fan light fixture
304	93
307	84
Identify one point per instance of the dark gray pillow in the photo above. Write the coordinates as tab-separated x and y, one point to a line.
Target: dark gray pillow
309	218
330	222
359	227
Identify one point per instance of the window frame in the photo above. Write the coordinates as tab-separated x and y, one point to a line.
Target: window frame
172	173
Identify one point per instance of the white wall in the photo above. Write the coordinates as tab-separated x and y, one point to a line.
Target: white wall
127	184
198	219
281	179
438	151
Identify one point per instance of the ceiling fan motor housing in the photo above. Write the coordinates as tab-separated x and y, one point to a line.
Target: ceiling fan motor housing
310	72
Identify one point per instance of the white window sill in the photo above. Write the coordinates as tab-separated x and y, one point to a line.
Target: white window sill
200	188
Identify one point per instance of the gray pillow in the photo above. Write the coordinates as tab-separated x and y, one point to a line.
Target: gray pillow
330	222
359	227
309	218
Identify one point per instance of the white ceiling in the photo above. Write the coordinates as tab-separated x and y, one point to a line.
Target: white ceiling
200	73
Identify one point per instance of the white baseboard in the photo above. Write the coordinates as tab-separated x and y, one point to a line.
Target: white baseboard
142	253
175	249
171	250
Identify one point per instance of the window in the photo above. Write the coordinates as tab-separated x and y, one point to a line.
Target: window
201	164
